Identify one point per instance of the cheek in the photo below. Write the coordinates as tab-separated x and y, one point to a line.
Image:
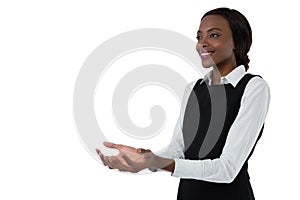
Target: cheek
198	47
225	49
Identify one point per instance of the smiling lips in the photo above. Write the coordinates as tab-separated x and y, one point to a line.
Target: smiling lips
205	54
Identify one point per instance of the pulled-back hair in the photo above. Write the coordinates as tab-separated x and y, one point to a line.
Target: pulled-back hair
241	33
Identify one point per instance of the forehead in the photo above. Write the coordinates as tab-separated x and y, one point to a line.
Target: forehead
214	21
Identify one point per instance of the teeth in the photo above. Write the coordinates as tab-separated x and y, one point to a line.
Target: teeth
205	54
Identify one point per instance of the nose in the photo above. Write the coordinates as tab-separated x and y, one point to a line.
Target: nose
202	44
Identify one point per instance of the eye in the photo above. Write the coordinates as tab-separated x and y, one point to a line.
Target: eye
214	35
199	37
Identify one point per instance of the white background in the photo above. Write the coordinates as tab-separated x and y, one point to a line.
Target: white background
42	48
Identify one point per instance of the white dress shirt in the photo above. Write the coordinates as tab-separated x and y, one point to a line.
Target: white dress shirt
241	137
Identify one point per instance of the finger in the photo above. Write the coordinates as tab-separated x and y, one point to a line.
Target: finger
99	152
109	145
101	156
120	147
114	162
107	162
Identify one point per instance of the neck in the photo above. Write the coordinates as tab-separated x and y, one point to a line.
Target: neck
216	77
220	72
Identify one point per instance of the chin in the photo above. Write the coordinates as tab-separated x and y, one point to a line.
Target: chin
207	63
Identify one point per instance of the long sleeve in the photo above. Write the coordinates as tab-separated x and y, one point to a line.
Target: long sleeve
176	146
239	143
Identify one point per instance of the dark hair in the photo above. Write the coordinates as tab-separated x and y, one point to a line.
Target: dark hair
241	33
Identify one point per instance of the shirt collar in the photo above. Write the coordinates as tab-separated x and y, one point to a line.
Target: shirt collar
233	77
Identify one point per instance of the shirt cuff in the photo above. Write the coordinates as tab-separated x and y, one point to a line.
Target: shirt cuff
188	169
179	167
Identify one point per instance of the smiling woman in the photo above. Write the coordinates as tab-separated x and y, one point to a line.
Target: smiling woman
210	154
215	43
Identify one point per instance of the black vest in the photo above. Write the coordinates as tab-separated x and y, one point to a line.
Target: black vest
209	114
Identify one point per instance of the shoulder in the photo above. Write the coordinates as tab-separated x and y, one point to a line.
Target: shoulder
257	82
257	86
190	86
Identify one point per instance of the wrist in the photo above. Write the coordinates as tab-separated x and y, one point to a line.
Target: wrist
158	162
154	161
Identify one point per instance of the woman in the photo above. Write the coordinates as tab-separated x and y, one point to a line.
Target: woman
228	107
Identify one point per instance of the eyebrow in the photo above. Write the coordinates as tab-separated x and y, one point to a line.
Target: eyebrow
211	29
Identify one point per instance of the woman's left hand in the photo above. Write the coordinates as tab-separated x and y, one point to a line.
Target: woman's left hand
129	159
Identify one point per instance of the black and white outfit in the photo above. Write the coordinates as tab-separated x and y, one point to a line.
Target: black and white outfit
211	160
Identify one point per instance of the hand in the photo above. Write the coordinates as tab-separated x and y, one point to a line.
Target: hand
129	158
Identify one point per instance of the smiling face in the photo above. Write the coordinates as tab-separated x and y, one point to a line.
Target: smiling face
215	42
